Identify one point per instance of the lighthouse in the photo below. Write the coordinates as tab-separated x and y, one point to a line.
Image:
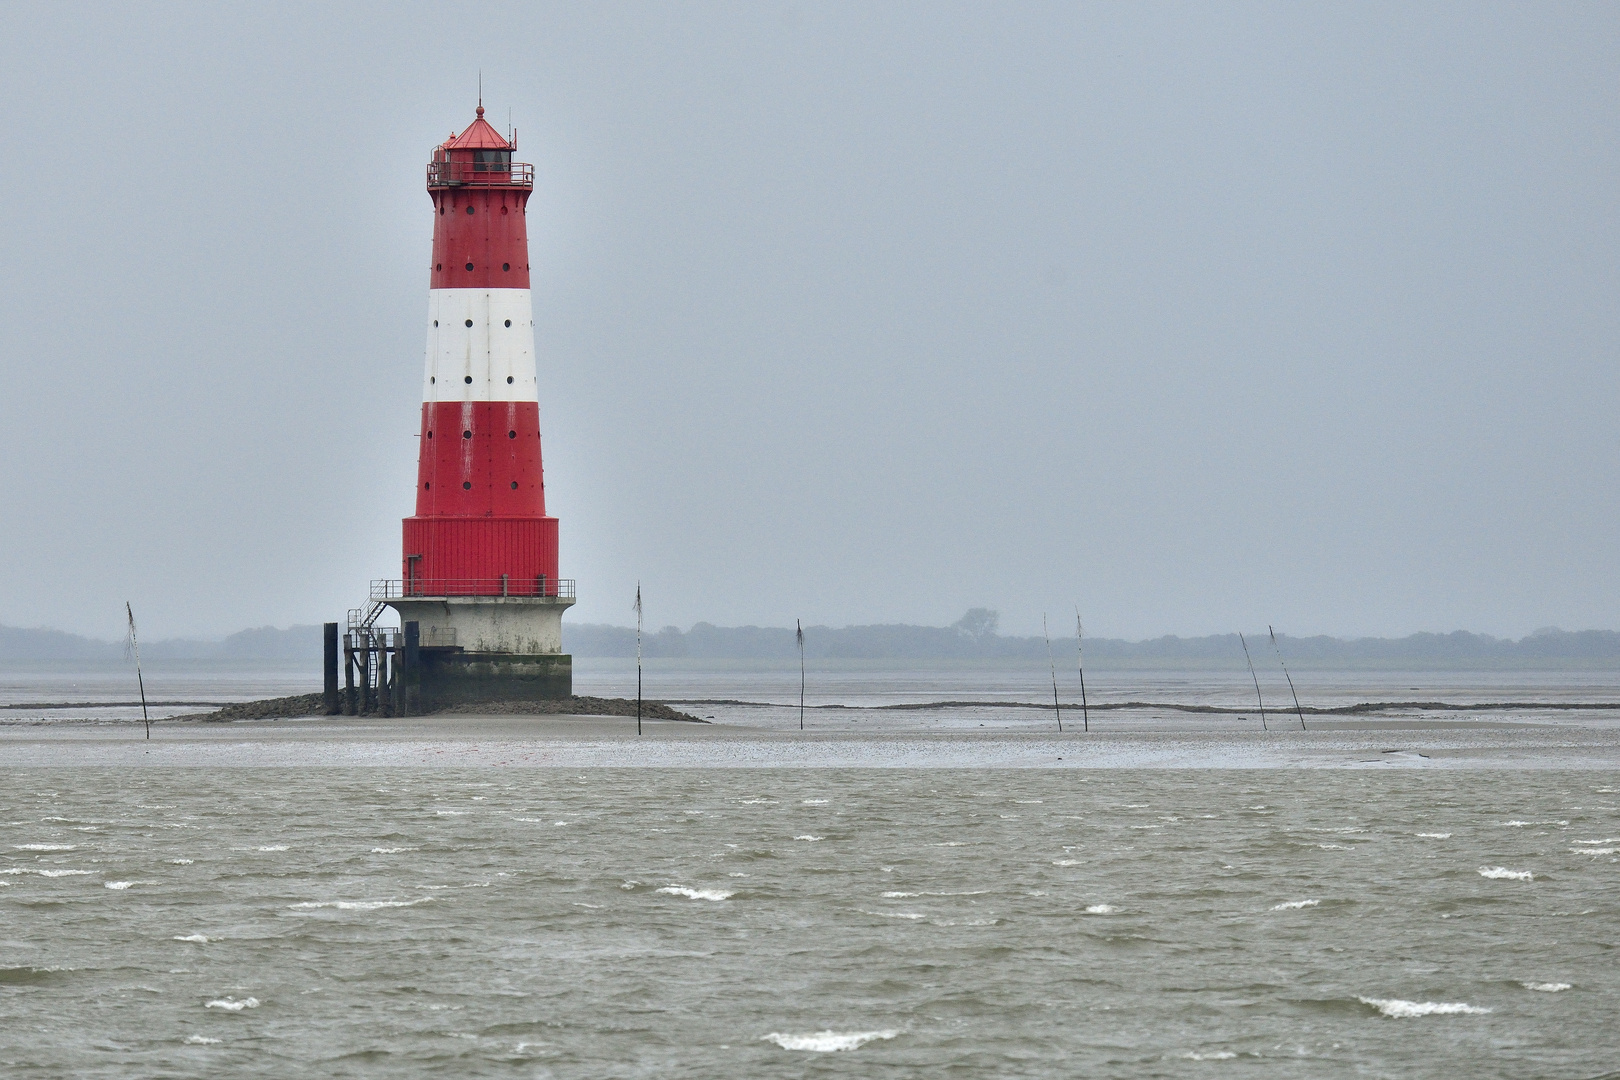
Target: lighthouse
478	571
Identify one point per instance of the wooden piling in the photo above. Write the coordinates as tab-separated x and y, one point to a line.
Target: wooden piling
329	668
351	707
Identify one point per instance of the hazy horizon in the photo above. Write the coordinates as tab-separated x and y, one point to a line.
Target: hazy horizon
1197	318
1058	633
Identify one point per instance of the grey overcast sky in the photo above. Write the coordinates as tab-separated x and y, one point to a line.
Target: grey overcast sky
1199	316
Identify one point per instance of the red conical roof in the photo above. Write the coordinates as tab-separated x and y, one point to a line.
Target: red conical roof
479	136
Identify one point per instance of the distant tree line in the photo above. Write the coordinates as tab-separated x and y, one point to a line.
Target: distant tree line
263	643
975	636
972	637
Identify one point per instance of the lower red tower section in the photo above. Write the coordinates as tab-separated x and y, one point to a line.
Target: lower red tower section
480	556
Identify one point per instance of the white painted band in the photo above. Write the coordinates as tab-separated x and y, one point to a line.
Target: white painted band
496	352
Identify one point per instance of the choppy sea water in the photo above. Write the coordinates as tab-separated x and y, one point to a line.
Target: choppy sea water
706	922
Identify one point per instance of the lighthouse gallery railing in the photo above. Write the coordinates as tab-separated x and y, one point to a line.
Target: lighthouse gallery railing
479	174
395	589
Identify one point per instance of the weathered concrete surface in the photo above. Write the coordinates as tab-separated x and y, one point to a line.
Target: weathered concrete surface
524	625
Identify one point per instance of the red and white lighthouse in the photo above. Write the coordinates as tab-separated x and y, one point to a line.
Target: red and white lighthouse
479	566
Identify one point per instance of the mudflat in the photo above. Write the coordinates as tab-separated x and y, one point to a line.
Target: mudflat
908	741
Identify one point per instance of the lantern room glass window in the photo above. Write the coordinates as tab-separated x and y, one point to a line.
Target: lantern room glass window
493	161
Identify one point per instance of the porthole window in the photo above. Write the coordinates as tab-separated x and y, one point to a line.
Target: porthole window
509	378
466	485
469	322
466	434
426	486
430	434
438	266
508	322
433	378
467	379
469	209
514	485
506	266
469	267
435	322
503	211
441	211
511	434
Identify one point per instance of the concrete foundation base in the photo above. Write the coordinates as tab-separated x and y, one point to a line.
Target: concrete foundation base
450	677
488	624
489	648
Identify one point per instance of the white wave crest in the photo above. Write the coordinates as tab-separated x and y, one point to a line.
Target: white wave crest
232	1005
358	905
1545	988
824	1042
44	873
1435	835
1605	840
812	802
1504	874
1403	1009
810	838
117	884
698	894
1294	905
911	915
199	1040
180	862
198	938
274	847
46	847
1101	909
1214	1055
1517	824
899	895
1065	862
1593	850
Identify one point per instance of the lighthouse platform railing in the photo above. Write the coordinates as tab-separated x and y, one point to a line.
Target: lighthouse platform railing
456	173
538	587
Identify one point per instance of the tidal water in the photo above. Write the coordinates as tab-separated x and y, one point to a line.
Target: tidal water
731	923
765	694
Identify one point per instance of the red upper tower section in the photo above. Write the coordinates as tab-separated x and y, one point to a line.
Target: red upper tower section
480	199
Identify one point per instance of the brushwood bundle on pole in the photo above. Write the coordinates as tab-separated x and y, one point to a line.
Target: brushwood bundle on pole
1287	676
134	648
1256	679
1056	708
798	633
1080	663
638	658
